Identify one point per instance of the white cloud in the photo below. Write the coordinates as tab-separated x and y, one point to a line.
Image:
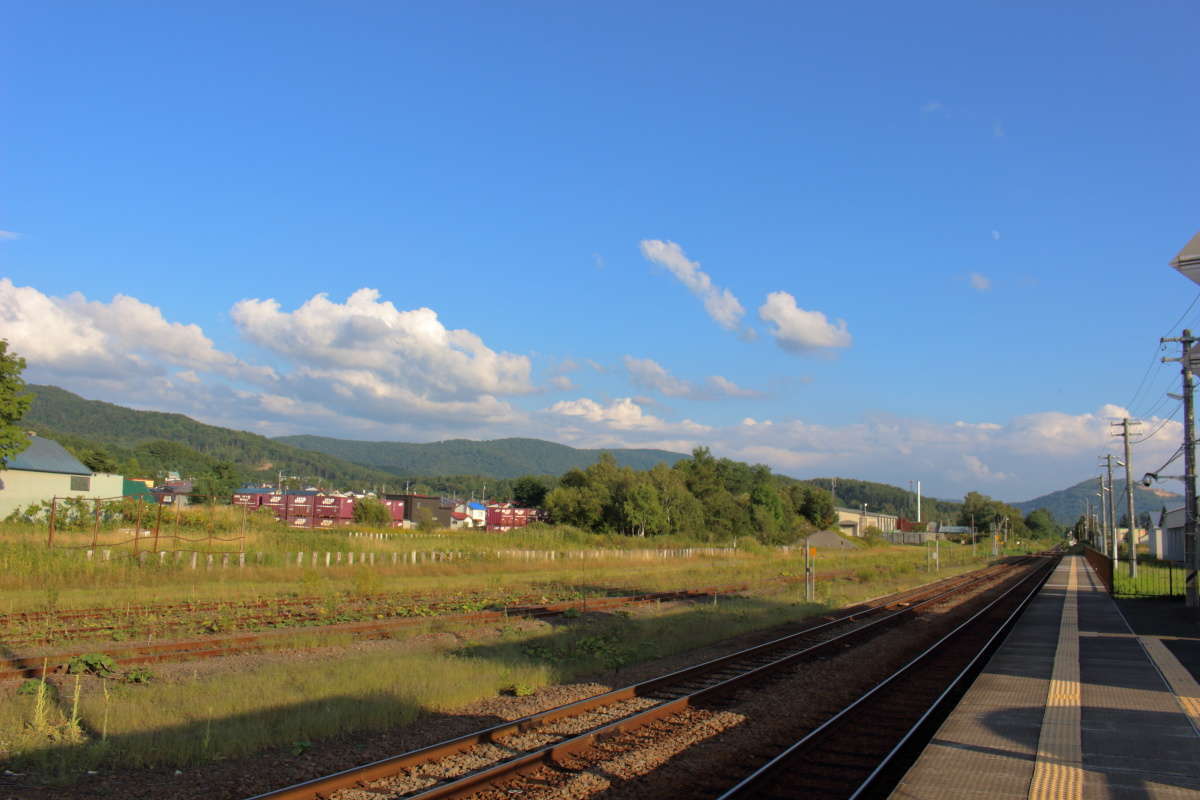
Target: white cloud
561	382
931	106
980	283
622	414
411	349
649	374
118	340
720	385
9	235
798	330
720	304
978	469
995	235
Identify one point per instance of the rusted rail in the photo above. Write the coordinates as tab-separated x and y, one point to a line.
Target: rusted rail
669	694
38	664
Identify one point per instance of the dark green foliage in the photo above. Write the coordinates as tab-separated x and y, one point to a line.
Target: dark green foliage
92	664
14	402
991	516
1041	524
529	492
217	484
369	511
99	460
502	458
888	499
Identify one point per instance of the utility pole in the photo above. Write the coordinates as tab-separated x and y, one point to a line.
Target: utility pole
1103	516
1189	466
1112	511
1125	425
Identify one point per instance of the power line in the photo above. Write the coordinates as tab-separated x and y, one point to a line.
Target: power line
1161	425
1154	356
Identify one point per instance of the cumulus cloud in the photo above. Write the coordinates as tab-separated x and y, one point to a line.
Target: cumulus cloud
798	330
117	340
720	304
622	414
413	348
980	283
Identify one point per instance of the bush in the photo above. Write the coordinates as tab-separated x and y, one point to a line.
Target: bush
369	511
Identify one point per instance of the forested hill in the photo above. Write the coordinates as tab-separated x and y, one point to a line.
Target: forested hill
1066	505
500	458
888	499
142	442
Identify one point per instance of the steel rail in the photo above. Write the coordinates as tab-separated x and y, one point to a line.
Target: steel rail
753	784
466	784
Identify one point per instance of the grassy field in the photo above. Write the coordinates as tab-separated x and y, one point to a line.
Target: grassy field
128	719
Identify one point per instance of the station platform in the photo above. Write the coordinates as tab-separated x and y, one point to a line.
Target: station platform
1073	704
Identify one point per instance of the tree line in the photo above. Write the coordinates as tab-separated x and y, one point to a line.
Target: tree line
702	496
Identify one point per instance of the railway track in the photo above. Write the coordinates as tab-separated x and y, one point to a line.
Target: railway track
491	757
215	646
863	750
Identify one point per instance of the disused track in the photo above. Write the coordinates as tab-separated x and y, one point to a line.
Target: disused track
631	707
214	646
863	750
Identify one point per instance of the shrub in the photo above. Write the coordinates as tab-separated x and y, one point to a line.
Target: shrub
369	511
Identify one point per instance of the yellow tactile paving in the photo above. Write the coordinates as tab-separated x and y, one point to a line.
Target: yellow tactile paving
1182	684
1058	772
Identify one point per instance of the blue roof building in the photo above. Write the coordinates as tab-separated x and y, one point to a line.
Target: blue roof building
45	470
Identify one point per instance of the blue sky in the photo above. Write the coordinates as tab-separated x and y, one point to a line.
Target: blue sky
889	242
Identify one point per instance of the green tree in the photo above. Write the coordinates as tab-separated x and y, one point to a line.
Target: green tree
100	460
13	402
369	511
642	509
218	483
1041	524
529	492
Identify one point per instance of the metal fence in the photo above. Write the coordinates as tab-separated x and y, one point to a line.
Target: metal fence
1154	578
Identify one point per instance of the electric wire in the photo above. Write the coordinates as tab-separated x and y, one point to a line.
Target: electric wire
1161	425
1154	356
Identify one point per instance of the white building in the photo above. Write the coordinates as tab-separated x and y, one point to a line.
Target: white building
44	470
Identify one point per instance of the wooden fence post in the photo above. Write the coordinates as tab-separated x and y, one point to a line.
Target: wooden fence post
53	506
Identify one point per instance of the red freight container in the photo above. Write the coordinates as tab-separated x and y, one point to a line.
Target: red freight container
273	500
345	508
300	522
248	499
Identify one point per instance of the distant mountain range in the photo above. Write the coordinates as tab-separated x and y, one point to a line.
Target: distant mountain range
147	441
154	440
500	458
1067	504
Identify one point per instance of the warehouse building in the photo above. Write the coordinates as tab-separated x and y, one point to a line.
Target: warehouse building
44	470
